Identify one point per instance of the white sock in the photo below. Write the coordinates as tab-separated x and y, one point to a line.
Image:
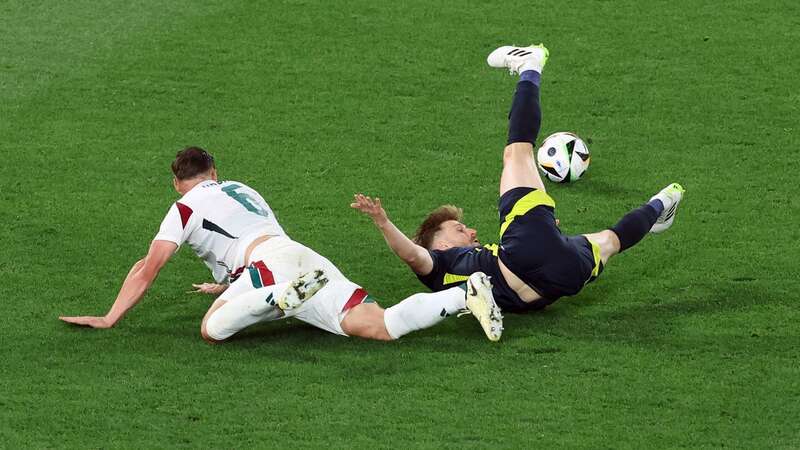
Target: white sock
422	311
251	307
531	64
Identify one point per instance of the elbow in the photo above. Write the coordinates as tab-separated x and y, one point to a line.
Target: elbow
149	269
138	265
412	261
419	260
416	264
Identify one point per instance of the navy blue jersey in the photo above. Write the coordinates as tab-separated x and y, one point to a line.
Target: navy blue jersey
531	247
453	266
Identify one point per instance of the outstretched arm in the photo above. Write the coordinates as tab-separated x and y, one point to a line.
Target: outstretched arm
417	258
139	279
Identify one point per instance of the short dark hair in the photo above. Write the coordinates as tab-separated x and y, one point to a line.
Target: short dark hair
191	162
433	223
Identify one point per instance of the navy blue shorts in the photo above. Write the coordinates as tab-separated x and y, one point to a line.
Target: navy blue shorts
533	248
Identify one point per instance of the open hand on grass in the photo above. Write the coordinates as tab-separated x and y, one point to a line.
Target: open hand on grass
88	321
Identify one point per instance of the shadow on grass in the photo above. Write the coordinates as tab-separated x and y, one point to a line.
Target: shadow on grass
662	323
594	317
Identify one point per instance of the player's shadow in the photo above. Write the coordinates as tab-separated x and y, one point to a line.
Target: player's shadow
593	317
296	342
298	345
284	332
293	332
449	336
643	324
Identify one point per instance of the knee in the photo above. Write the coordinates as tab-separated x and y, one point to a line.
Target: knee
206	337
380	333
366	321
378	328
210	327
209	331
611	241
516	152
609	244
508	154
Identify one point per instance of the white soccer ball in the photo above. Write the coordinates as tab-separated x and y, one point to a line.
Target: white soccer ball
563	157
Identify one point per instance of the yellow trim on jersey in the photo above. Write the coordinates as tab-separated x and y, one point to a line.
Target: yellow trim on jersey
449	278
528	202
492	248
597	259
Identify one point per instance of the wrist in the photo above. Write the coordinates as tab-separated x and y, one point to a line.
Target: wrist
110	320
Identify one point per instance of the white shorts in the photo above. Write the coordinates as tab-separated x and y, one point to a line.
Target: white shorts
280	259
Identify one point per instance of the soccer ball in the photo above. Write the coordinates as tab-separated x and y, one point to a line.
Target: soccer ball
563	157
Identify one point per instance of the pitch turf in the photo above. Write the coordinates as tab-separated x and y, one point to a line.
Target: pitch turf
688	341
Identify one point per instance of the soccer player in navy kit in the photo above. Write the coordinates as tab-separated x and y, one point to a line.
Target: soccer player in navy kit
534	264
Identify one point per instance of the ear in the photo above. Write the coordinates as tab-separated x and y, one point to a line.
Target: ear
214	174
439	245
175	184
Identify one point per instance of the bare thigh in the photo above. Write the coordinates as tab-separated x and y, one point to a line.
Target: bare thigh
519	168
366	321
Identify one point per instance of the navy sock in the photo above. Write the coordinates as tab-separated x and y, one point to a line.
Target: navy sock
525	116
657	204
636	224
532	76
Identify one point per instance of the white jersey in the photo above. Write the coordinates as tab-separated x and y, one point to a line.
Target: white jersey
219	221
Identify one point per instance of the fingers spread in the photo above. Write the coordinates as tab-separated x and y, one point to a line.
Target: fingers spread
74	320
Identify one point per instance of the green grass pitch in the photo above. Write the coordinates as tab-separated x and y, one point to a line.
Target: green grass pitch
690	340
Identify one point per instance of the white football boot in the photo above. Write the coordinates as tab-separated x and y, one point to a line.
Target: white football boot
480	303
519	59
302	289
670	196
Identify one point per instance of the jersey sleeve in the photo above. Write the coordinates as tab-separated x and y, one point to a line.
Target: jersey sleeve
261	202
451	267
433	279
173	227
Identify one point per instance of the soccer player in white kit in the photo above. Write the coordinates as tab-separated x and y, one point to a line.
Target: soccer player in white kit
263	275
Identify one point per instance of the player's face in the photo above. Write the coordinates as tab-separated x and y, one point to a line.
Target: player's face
455	234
